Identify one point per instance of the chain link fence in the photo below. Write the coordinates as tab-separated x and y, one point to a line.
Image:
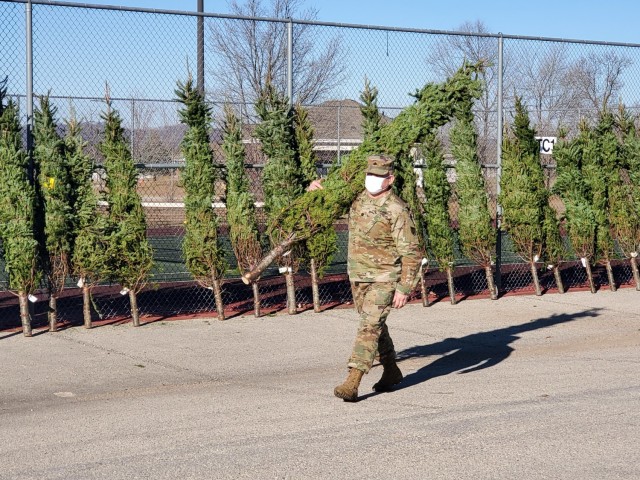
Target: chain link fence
139	55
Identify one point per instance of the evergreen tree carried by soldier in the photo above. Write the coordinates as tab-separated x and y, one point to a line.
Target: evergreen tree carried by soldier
17	211
434	106
202	248
129	254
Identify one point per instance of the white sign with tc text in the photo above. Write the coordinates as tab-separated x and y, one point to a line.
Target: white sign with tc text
546	144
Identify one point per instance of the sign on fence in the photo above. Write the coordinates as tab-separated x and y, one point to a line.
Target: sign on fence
546	144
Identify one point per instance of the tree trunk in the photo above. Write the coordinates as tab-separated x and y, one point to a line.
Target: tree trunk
536	280
256	299
452	290
217	294
558	277
292	308
86	306
612	281
24	314
634	269
268	259
423	290
53	313
587	267
135	315
315	291
493	291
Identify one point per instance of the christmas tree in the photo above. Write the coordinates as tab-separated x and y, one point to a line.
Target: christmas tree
54	188
129	254
632	147
571	186
599	166
323	245
241	212
475	228
624	194
202	249
435	105
282	178
17	210
523	195
554	250
371	117
89	261
436	210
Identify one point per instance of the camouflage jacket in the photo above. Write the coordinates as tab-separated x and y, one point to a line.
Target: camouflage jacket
383	242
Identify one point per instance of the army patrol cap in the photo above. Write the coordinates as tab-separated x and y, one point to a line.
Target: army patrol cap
380	165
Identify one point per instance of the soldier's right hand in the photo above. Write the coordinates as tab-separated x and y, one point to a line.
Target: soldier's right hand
315	185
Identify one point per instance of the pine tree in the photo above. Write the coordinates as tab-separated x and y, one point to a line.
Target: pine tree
88	261
282	178
523	195
371	117
436	210
624	195
54	188
475	228
241	213
599	169
571	186
632	147
435	105
129	254
17	210
202	249
323	245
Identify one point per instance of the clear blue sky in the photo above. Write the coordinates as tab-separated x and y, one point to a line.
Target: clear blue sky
610	20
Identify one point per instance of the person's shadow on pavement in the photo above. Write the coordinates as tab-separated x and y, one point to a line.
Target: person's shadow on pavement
474	352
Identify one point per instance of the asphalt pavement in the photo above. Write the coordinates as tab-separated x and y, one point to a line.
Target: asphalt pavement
523	387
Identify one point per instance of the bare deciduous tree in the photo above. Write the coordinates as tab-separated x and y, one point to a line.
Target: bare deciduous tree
546	87
597	78
449	53
247	50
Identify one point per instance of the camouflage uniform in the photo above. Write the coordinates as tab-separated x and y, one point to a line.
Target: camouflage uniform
383	257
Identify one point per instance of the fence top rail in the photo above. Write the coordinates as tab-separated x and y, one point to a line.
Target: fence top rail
325	24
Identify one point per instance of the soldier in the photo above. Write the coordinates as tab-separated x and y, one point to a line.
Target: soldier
383	263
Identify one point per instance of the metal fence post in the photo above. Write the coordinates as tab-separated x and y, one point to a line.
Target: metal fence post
200	47
133	127
290	61
499	165
29	81
29	123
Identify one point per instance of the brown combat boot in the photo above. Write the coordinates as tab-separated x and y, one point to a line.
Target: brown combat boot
391	375
348	391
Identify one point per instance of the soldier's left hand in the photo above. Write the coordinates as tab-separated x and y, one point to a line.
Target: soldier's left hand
400	299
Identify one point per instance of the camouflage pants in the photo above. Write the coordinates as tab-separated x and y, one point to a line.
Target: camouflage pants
373	303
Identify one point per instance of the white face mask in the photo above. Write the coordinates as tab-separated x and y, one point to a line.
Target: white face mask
373	184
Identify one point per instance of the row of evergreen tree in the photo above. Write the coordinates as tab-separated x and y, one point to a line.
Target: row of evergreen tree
602	207
54	223
51	221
